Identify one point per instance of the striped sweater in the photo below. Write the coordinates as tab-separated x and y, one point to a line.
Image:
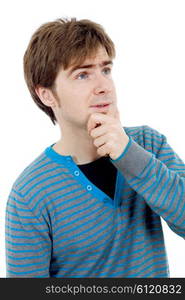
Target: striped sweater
59	224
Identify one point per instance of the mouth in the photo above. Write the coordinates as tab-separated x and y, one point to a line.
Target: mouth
101	106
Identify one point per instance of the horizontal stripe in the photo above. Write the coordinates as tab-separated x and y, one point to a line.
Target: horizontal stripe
58	223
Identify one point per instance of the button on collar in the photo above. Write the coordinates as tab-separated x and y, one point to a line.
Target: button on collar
76	173
89	187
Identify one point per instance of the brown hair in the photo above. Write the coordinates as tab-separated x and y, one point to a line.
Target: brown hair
57	44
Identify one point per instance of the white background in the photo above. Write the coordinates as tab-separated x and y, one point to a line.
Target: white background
149	73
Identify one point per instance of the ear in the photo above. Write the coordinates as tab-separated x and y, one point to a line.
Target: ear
46	96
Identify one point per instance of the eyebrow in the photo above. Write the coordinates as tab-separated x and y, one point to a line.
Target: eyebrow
88	66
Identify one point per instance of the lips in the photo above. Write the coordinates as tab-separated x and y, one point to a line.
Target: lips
99	105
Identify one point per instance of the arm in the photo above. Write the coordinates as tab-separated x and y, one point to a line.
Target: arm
158	177
28	243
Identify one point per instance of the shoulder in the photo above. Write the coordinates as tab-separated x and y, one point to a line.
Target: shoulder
30	170
38	176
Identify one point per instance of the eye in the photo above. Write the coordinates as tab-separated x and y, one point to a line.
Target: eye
81	76
106	71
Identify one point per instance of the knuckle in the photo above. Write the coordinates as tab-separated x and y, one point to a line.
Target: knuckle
92	133
113	126
110	146
99	151
95	143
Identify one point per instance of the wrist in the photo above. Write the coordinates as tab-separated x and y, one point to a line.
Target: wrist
124	148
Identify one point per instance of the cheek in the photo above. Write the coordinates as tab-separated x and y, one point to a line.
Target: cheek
76	106
81	99
75	100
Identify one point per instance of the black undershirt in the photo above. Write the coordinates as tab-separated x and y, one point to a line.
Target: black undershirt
101	173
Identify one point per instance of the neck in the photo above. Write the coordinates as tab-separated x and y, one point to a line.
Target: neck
78	144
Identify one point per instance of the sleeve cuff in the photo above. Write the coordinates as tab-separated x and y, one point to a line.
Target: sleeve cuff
124	151
133	160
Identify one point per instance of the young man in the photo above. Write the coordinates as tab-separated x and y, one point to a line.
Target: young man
90	204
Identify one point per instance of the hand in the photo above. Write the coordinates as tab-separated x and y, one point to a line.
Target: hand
108	133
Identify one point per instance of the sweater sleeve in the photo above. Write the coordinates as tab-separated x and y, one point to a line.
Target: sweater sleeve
27	237
158	175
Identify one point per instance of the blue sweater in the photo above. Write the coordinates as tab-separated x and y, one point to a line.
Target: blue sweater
59	224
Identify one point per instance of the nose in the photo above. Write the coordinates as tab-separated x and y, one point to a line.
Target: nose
102	85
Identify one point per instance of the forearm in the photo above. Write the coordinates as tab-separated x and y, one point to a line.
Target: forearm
162	188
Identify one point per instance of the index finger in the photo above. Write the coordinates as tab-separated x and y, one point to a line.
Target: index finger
95	120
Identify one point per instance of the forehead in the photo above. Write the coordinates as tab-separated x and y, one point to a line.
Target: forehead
100	55
96	58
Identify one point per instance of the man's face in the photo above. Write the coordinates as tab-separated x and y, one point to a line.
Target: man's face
85	89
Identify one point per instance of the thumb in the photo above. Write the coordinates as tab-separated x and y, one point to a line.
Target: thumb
92	123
